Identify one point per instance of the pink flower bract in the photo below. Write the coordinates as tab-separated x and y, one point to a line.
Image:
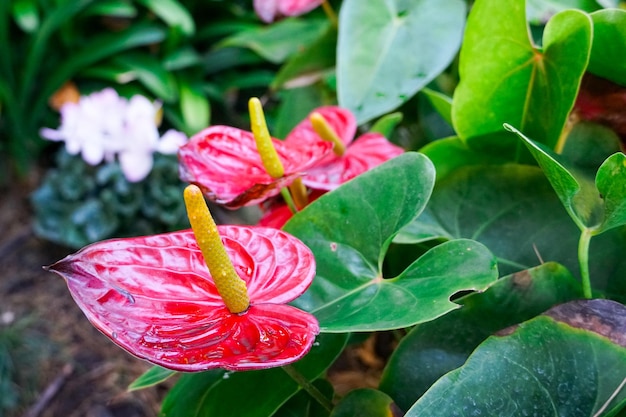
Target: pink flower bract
224	162
155	297
270	10
361	155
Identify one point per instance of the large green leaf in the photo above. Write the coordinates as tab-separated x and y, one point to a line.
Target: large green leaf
568	362
509	208
222	393
505	79
432	349
349	231
279	41
375	70
609	41
598	206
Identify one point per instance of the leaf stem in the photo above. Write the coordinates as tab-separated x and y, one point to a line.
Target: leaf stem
583	260
287	197
330	13
308	387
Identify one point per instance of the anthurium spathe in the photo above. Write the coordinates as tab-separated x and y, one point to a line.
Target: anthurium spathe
360	155
225	163
155	297
270	10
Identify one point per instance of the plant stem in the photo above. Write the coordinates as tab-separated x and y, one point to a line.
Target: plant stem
308	387
287	197
330	13
583	260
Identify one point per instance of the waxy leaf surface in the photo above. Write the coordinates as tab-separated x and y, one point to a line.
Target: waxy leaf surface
349	230
225	163
599	206
433	349
504	78
155	297
569	361
375	71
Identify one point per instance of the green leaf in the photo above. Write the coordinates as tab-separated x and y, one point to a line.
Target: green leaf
433	349
366	402
303	405
588	145
598	206
150	72
451	153
570	361
349	231
114	8
375	71
505	79
151	377
310	64
387	124
173	13
26	15
441	102
280	40
611	183
194	107
419	294
609	40
100	47
221	393
60	15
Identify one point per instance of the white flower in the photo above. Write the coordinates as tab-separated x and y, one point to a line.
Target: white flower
104	125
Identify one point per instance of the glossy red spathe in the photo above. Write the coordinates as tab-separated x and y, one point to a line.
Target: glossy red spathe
154	297
362	154
225	163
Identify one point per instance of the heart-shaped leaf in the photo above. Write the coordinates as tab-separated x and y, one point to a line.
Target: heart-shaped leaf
432	349
535	89
349	231
375	72
419	294
570	361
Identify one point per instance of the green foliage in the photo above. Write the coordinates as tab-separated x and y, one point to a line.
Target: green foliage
78	204
489	226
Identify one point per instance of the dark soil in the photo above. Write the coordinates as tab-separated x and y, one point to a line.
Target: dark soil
65	367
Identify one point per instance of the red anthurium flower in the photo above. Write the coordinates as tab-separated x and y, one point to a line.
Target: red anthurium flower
225	163
270	10
154	296
361	155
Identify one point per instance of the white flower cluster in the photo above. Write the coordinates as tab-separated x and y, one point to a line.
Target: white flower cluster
103	125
